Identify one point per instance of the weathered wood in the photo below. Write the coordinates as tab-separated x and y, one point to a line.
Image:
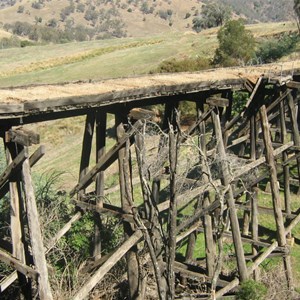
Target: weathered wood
210	245
38	252
293	84
105	160
273	177
106	267
172	218
17	223
86	147
37	155
241	263
286	168
217	101
295	129
275	191
141	113
33	159
100	151
259	260
153	240
125	176
250	270
22	137
13	166
8	259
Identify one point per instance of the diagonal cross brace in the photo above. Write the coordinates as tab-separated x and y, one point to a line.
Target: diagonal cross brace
106	160
13	166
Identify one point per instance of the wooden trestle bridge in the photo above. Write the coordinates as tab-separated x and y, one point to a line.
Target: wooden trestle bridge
263	140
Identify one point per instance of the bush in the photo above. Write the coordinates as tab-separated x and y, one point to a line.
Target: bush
20	9
251	290
272	49
184	65
10	42
239	101
236	44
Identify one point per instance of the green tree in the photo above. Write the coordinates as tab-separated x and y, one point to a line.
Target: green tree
236	44
214	14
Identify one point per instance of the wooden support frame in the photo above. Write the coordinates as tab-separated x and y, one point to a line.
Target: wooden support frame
244	131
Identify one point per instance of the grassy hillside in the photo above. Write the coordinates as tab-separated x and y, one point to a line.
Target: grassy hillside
110	58
134	17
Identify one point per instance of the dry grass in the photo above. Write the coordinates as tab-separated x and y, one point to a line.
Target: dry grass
73	58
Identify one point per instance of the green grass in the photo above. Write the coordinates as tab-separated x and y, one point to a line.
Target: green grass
109	58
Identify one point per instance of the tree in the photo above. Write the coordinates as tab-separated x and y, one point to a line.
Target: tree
214	14
236	44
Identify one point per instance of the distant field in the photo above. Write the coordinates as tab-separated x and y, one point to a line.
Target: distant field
98	60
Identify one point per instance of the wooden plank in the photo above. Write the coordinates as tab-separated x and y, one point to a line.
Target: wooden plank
141	113
101	120
22	137
37	246
239	140
9	108
16	223
226	178
217	101
37	155
105	160
270	159
106	267
293	84
13	166
126	195
33	159
8	259
273	177
86	147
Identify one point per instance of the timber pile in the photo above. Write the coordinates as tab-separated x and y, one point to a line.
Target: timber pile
215	167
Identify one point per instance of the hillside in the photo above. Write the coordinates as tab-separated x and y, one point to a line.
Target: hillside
134	18
111	58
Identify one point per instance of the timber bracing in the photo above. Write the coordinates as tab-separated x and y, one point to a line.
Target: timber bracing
215	166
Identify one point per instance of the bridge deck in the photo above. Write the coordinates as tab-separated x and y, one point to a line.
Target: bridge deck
44	99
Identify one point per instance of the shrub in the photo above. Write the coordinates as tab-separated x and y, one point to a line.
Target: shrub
239	101
236	44
20	9
272	49
184	65
10	42
251	290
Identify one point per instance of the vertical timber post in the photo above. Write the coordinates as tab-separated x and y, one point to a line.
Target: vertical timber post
86	146
270	159
210	246
38	250
236	233
100	151
16	223
172	222
133	267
